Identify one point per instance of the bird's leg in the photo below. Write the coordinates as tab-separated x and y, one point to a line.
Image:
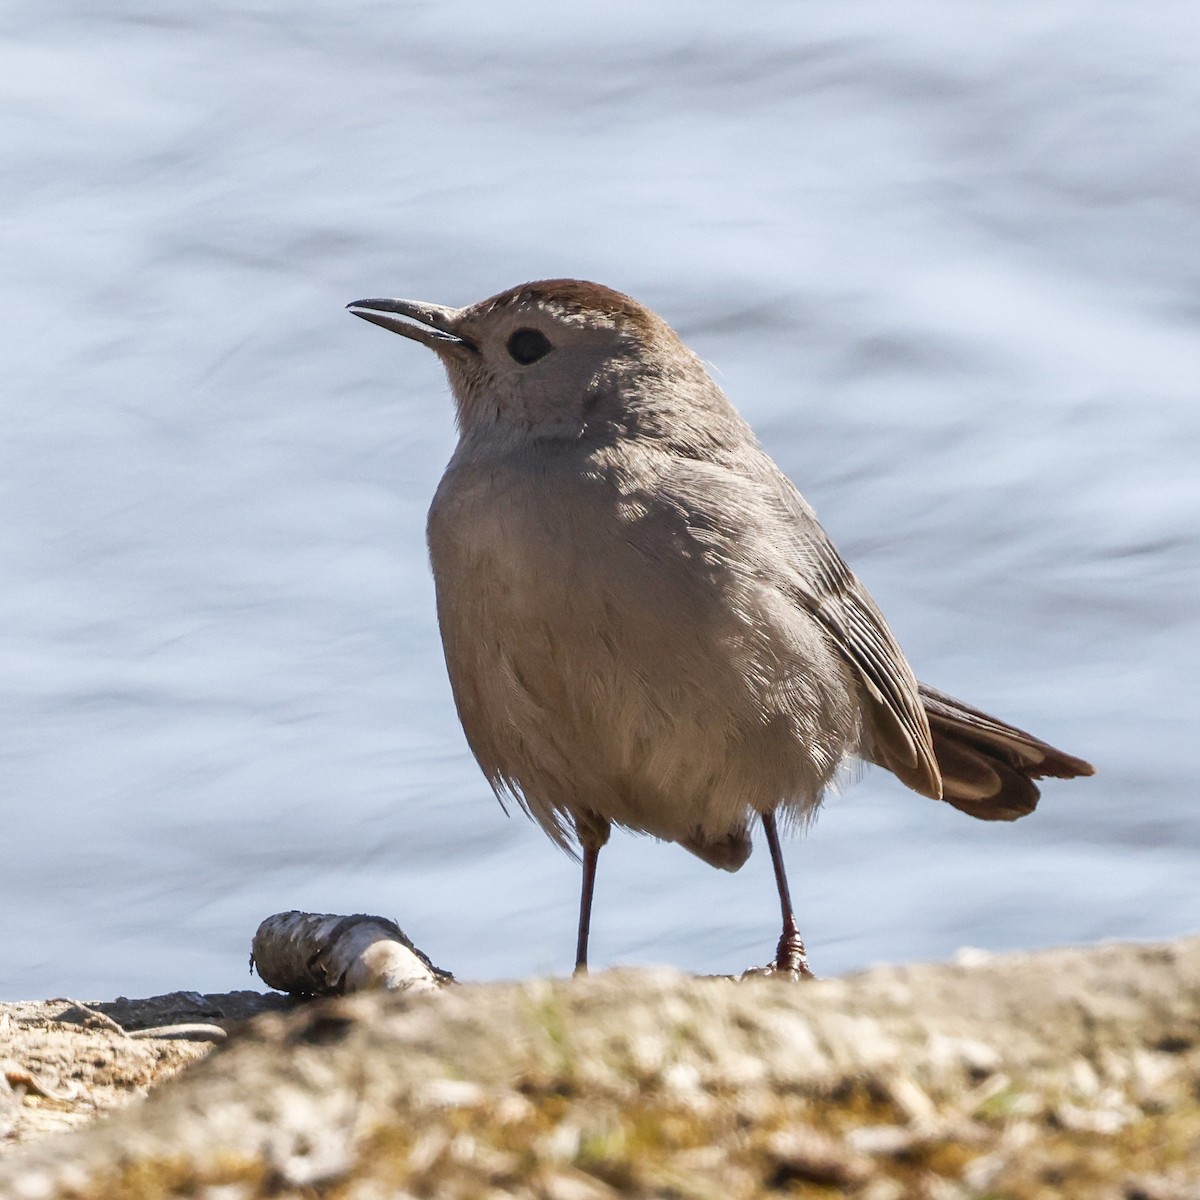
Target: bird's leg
591	855
790	956
592	830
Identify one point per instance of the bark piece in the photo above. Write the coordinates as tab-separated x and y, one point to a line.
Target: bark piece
322	954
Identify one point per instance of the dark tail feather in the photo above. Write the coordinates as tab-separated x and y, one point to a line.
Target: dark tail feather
988	767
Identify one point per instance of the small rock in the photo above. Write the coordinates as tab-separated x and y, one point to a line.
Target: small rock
1153	1073
805	1154
426	1151
979	1173
511	1109
884	1189
561	1144
1083	1078
449	1093
1090	1120
911	1100
573	1185
881	1139
226	1191
958	1053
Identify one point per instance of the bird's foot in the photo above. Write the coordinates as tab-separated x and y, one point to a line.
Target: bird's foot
775	971
791	957
791	961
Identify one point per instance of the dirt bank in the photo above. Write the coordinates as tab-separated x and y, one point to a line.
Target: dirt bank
1072	1072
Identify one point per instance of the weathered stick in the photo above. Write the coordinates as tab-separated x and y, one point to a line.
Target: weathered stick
322	954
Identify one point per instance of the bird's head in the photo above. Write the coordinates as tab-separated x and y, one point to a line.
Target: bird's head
558	359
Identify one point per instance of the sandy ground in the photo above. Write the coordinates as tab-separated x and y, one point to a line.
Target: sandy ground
1066	1073
66	1061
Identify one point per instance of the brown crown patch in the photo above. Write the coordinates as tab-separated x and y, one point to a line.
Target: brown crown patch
576	295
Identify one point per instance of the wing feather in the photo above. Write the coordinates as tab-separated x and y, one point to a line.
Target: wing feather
823	583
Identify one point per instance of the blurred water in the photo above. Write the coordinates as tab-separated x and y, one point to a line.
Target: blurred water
945	260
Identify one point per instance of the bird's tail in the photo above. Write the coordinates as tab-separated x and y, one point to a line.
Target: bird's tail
988	767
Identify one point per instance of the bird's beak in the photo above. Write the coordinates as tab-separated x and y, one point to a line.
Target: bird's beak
430	324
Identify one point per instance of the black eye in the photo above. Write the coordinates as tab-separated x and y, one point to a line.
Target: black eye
528	345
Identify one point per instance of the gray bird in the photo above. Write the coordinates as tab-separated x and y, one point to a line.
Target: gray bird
644	623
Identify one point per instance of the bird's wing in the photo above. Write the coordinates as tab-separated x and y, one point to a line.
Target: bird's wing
823	583
757	511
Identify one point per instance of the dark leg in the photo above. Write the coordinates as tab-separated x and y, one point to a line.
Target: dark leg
790	957
590	856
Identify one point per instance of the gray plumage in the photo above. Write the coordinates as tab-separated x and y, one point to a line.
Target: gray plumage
644	623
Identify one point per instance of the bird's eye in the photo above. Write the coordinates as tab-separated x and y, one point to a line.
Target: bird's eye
528	345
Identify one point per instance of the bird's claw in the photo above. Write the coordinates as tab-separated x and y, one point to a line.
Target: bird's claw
791	961
791	957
